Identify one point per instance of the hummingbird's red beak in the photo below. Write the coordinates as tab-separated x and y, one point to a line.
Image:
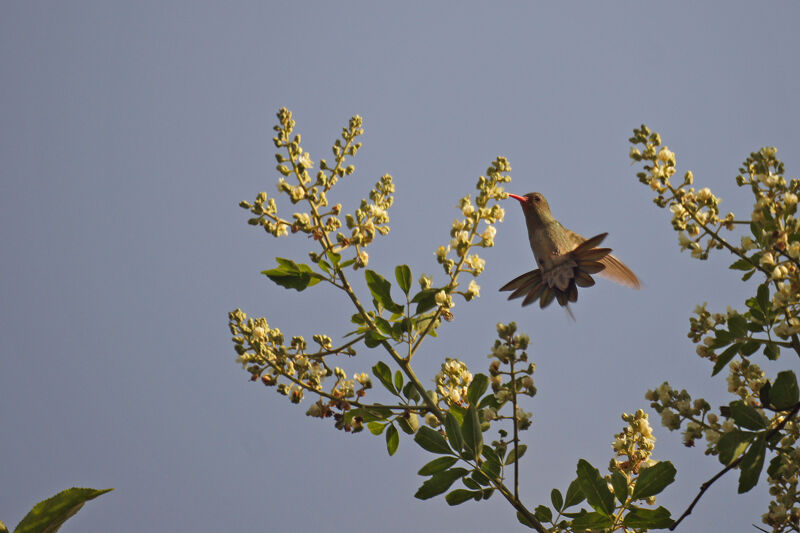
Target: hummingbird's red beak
520	198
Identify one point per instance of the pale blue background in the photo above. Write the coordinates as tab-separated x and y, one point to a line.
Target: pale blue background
130	131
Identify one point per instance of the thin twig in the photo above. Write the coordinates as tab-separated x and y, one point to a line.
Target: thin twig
705	486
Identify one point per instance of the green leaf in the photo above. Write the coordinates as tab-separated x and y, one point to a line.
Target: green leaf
574	495
3	528
392	439
524	521
432	441
479	384
471	431
373	339
543	513
556	499
733	444
722	338
480	478
594	488
653	480
772	351
293	276
738	325
746	416
411	392
380	289
402	274
591	521
763	393
762	297
425	300
384	374
334	258
376	428
620	485
725	357
459	496
639	518
491	466
752	464
453	430
516	454
439	483
384	326
784	393
408	425
50	514
748	275
437	465
749	347
742	264
398	380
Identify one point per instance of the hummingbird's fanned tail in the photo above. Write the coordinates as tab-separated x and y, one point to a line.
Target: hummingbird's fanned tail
561	282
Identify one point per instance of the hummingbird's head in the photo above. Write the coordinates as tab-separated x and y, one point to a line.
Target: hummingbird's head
534	205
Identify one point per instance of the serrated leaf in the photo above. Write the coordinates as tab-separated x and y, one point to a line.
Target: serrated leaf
620	485
392	439
594	520
292	275
725	357
402	274
639	518
439	483
653	480
432	441
752	464
381	291
733	444
384	374
738	325
437	465
784	393
453	430
556	499
471	431
516	454
543	513
574	495
459	496
594	488
479	384
50	514
746	416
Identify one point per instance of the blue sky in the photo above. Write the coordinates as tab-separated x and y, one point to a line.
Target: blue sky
131	130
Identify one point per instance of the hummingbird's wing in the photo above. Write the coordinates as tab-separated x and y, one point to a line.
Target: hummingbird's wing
615	270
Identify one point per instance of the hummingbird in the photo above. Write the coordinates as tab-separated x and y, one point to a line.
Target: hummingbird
566	260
